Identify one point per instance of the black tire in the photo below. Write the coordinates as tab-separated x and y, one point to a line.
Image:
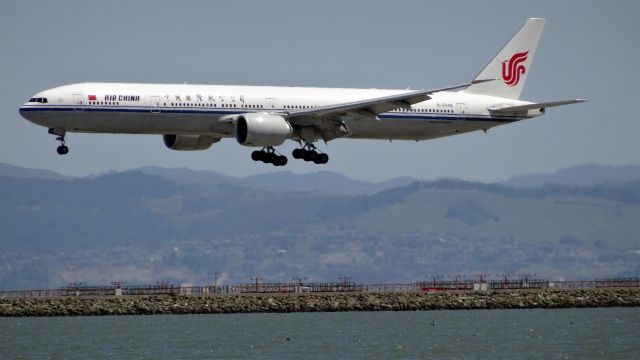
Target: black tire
257	155
282	160
323	159
310	155
297	153
62	150
268	158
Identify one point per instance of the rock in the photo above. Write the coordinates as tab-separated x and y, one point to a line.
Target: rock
314	302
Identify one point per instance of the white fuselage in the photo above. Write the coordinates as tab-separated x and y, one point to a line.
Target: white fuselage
210	109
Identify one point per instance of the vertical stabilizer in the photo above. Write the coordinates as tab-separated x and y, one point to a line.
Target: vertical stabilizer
511	66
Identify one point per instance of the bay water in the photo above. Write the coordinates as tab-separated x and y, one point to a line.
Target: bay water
600	333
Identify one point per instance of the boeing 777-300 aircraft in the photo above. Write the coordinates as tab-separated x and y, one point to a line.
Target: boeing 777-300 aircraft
193	117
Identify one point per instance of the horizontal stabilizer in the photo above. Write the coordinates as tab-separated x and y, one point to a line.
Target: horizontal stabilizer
539	106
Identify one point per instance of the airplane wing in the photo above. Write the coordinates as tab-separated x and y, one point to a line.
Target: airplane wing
527	107
371	107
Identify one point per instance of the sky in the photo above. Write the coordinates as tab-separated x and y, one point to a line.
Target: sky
590	49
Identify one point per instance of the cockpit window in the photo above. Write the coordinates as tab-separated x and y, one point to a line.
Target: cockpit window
39	100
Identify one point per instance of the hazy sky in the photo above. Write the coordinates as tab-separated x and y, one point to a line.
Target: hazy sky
590	49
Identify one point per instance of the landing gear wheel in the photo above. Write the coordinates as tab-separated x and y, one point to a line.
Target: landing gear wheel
322	159
60	133
297	153
280	160
269	158
257	155
310	155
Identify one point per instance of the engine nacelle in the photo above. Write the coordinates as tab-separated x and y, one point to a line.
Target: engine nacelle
256	129
189	142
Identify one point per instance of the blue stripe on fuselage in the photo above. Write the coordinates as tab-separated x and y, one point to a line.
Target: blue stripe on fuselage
224	111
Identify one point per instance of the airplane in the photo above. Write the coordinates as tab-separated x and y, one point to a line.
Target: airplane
194	117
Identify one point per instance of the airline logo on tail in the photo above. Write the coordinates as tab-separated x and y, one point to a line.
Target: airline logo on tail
513	68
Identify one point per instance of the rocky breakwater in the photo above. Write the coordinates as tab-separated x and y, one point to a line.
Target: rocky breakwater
316	302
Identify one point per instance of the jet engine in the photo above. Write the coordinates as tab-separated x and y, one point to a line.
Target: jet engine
189	142
255	129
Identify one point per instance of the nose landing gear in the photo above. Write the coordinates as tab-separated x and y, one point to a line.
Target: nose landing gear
62	149
268	156
309	153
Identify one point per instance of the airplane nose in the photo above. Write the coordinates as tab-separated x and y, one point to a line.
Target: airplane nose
24	112
35	109
27	112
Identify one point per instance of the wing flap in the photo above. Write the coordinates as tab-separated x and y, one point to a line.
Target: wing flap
374	106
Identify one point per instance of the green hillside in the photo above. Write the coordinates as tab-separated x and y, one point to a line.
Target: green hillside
589	221
143	228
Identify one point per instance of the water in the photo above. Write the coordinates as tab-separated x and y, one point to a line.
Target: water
515	334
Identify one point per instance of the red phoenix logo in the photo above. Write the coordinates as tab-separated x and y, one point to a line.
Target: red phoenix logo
512	68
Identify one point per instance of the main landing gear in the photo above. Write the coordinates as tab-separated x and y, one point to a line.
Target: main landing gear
62	149
309	153
268	156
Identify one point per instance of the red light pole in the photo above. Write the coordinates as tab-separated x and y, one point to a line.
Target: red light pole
345	282
257	279
433	277
482	277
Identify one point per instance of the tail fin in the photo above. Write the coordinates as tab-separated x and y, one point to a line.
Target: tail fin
511	66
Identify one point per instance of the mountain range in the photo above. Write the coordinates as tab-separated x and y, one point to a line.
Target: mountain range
181	225
332	182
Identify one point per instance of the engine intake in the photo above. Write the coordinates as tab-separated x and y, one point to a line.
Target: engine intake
255	129
189	142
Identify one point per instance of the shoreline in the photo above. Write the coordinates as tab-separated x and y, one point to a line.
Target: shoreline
316	302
